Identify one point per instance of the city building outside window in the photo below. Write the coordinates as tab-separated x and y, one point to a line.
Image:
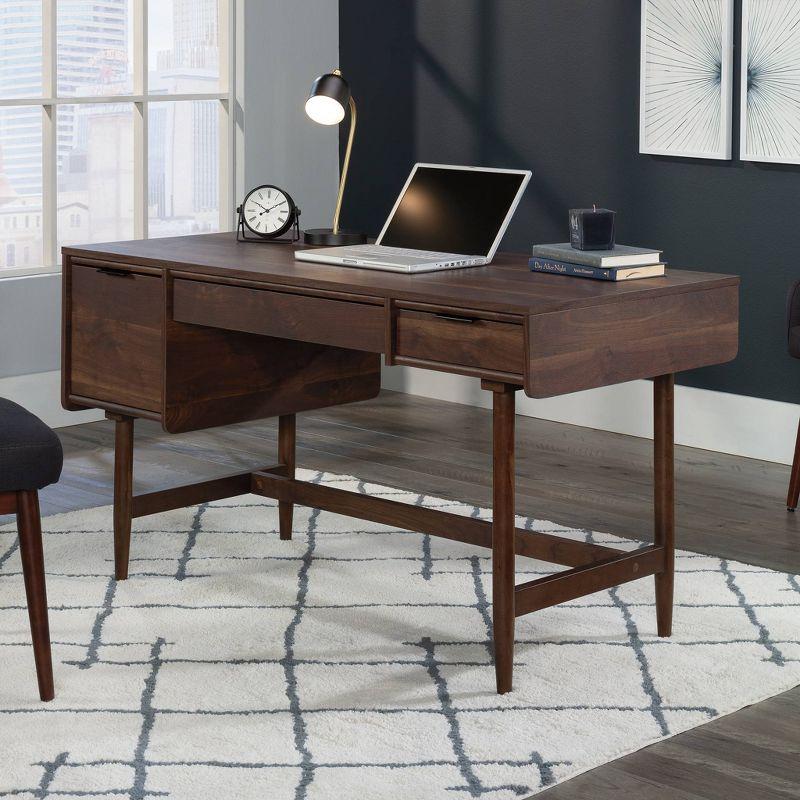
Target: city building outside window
115	123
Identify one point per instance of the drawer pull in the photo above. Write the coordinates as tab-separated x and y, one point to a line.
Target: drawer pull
115	273
456	318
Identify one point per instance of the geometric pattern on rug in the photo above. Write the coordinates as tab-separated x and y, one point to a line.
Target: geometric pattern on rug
355	660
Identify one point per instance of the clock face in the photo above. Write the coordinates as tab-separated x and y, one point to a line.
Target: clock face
268	211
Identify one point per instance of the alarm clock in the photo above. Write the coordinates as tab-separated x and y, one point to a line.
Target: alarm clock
267	213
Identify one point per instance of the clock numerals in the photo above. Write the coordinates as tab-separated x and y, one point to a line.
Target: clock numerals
267	211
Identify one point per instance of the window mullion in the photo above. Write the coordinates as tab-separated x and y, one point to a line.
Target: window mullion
237	104
49	135
227	74
140	119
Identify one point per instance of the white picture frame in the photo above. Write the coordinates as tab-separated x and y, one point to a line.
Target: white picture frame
769	120
686	78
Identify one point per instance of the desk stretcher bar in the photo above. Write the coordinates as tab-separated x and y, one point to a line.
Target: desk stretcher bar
596	567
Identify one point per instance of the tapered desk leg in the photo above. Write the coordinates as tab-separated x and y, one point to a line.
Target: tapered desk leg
123	493
30	547
503	534
287	430
664	485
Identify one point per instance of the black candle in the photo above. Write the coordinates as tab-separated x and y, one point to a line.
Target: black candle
591	228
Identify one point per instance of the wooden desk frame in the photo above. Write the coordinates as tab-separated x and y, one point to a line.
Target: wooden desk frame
674	324
592	567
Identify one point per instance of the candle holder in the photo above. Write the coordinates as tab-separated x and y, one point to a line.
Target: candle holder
591	228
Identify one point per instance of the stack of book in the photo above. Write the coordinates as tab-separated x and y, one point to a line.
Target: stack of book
621	263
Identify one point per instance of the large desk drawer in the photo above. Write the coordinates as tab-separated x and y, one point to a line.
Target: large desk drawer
459	339
116	322
342	323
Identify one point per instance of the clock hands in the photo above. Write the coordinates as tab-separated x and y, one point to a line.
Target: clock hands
267	210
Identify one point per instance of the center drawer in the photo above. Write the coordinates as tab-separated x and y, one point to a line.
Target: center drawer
459	339
341	323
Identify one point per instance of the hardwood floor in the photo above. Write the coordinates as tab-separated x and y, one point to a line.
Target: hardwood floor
726	506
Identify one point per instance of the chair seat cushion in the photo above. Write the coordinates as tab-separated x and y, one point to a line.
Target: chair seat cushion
30	453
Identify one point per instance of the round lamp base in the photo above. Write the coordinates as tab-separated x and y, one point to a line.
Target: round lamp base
325	237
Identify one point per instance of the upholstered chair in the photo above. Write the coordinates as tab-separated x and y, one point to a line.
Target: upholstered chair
30	459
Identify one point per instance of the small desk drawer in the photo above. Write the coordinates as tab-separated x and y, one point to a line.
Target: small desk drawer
459	338
341	323
116	322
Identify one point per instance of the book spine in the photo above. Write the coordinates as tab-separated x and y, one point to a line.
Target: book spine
573	270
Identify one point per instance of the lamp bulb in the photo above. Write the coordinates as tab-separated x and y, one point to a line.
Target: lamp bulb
324	110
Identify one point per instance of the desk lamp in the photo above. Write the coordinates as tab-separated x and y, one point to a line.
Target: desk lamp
326	103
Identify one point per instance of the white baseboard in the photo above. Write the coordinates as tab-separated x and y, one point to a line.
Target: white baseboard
40	393
726	423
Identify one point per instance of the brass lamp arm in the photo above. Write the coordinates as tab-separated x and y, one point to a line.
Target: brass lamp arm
345	165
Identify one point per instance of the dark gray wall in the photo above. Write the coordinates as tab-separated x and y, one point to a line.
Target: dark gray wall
553	85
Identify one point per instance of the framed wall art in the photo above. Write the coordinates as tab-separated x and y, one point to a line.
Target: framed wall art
686	78
770	81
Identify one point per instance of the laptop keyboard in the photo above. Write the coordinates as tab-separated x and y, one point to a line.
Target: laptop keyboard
384	251
400	255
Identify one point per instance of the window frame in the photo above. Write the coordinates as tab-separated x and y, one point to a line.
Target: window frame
49	102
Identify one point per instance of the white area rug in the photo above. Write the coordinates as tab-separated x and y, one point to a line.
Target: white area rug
354	661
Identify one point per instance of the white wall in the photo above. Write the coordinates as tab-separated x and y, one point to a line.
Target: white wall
30	320
726	423
287	44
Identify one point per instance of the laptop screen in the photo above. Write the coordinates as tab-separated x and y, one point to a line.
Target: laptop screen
452	210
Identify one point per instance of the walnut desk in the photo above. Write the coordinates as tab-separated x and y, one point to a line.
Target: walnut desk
198	331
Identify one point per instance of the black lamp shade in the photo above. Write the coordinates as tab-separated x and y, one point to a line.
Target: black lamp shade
328	99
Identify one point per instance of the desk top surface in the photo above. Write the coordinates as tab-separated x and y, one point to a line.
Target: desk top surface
505	285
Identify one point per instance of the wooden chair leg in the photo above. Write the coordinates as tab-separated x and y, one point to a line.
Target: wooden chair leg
503	536
794	481
287	436
123	493
30	548
664	496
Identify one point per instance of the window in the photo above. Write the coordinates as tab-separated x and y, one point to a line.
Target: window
115	123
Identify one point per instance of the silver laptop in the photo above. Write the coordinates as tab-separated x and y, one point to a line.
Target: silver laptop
446	217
